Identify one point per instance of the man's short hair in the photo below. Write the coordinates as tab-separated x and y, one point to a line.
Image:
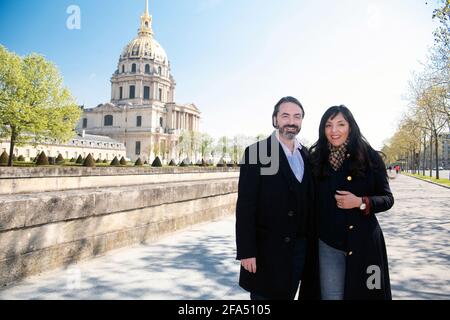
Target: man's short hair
276	109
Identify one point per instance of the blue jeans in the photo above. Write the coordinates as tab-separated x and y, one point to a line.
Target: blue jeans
332	272
298	264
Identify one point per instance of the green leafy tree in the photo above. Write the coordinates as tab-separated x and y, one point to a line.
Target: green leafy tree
34	105
442	33
205	144
222	145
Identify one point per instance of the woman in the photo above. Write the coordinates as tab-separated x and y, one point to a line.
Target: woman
351	187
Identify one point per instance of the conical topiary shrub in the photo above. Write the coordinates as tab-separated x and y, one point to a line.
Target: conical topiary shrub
123	162
14	158
157	162
105	161
89	161
138	162
60	159
79	159
42	160
98	160
185	162
145	162
172	163
72	160
115	162
4	159
21	158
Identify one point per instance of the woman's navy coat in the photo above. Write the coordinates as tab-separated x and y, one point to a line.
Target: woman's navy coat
366	248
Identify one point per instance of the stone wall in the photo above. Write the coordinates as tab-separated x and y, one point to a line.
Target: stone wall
43	230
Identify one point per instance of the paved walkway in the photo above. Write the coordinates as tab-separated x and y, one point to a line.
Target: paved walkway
198	263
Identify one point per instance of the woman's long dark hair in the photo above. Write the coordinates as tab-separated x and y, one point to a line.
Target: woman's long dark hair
362	155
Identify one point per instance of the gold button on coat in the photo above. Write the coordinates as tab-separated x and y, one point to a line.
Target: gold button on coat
350	227
350	253
349	178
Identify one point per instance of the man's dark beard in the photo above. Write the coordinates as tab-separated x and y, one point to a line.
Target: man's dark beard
284	131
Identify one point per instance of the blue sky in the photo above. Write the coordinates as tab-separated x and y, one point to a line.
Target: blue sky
236	58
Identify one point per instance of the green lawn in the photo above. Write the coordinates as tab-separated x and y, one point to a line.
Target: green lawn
445	182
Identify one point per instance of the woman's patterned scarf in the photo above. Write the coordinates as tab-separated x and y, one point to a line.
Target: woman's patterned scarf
337	155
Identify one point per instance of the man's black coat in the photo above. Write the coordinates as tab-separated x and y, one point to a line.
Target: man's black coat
272	211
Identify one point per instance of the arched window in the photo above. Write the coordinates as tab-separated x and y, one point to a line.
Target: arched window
147	68
146	93
160	95
108	120
161	122
133	68
123	68
159	70
135	51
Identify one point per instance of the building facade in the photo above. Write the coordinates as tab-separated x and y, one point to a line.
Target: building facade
100	147
142	113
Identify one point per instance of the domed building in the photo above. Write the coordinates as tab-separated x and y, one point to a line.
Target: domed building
142	113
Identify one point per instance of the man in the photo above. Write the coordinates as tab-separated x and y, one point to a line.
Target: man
273	208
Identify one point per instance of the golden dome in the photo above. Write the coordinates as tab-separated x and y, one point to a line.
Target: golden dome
145	46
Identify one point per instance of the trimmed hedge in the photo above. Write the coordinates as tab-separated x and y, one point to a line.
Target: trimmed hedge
123	162
157	162
138	162
4	159
42	160
80	159
60	159
89	161
115	162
